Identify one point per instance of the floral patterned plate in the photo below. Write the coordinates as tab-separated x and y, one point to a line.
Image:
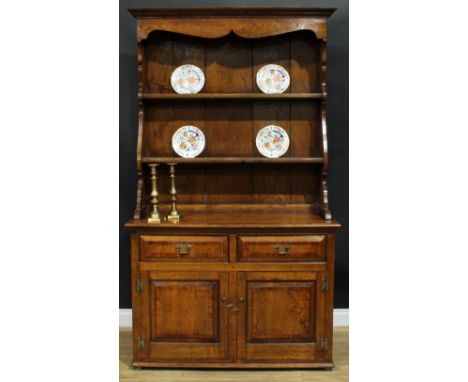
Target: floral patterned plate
272	141
273	79
188	141
187	79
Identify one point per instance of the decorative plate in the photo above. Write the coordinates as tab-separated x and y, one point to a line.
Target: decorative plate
272	141
188	141
187	79
273	79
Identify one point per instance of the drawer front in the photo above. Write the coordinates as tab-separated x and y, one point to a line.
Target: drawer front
189	248
282	248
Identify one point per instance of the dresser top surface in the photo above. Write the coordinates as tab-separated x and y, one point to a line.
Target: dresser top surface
243	216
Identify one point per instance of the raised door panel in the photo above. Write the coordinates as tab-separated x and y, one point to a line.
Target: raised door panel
281	316
292	301
182	316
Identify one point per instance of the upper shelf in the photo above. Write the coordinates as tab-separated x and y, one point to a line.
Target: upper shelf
200	160
241	96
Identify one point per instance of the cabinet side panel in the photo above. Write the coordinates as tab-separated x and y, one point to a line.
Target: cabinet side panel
328	330
136	303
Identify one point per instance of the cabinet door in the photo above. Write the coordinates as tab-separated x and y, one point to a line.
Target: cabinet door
182	319
281	316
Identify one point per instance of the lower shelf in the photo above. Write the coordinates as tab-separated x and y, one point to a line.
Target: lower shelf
232	365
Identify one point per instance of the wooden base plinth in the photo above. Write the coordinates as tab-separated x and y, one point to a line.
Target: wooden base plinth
231	365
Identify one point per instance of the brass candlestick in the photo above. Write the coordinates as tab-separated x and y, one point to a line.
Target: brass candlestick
155	216
173	215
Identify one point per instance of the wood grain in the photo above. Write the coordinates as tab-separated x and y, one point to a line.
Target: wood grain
266	248
210	28
305	129
224	57
164	248
224	122
233	185
305	63
159	62
184	311
242	216
293	301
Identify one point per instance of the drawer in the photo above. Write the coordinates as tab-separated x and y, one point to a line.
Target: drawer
189	248
281	248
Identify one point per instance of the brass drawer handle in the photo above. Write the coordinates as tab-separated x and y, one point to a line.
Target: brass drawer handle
283	251
183	249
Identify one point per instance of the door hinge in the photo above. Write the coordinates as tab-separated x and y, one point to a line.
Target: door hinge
141	343
324	343
325	285
140	284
